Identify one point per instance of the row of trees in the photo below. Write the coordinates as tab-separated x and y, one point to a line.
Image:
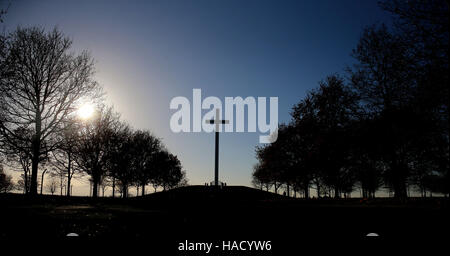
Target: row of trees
42	86
110	152
384	125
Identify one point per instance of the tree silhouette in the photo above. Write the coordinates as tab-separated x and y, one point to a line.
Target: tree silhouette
19	156
169	173
121	157
315	146
41	83
52	185
424	27
145	148
387	124
92	153
63	157
336	107
390	92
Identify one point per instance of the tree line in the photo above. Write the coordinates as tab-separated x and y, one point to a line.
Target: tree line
384	124
42	86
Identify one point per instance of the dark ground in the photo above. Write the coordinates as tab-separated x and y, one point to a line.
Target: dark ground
202	214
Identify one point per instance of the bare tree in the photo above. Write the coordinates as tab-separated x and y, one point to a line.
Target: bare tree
121	154
52	185
145	147
20	185
19	157
92	153
105	182
63	158
169	168
41	84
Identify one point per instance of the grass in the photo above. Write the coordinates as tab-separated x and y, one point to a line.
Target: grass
198	212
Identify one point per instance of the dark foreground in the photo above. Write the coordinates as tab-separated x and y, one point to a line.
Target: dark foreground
201	214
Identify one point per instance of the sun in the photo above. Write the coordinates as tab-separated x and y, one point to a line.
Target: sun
86	111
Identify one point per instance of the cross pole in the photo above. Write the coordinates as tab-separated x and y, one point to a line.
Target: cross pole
217	122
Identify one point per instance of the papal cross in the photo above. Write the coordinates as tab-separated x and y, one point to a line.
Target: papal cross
217	122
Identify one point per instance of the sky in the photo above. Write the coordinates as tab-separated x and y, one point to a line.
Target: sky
148	52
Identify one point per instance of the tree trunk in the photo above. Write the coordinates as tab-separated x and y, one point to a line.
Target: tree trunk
26	182
143	189
336	193
36	149
318	188
306	191
124	191
399	185
68	186
69	172
34	172
94	189
113	186
61	186
95	181
398	174
42	180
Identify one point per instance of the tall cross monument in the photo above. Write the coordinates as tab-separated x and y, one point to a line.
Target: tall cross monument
217	122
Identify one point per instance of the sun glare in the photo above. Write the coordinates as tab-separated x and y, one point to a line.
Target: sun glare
86	111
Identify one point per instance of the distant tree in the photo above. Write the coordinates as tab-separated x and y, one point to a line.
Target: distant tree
105	182
62	182
19	157
21	184
383	81
6	183
41	84
121	157
390	82
184	181
155	183
257	183
173	174
145	147
63	157
388	125
262	174
121	188
93	149
304	141
169	172
275	161
323	129
52	185
315	146
424	27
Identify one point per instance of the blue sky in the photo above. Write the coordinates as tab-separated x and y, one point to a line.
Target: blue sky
148	52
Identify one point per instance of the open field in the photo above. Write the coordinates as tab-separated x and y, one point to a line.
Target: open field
233	213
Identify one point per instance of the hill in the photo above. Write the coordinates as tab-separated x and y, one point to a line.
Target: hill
201	213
